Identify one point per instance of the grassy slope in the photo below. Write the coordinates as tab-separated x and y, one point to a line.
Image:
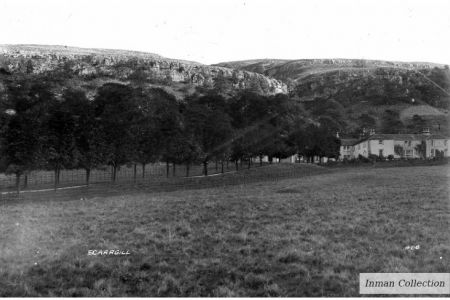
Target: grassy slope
292	237
343	79
302	68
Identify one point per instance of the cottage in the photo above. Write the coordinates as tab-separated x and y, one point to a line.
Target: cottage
425	145
347	148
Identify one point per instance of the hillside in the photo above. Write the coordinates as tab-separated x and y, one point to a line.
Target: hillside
349	90
302	68
344	94
90	68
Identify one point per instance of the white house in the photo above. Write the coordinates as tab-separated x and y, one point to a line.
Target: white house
423	145
347	148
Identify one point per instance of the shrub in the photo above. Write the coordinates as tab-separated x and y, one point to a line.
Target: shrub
373	157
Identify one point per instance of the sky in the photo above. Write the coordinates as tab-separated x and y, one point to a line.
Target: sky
212	31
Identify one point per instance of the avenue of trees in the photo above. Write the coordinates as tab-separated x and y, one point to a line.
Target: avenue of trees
41	129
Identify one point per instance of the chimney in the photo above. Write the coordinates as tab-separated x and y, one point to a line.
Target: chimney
372	131
426	131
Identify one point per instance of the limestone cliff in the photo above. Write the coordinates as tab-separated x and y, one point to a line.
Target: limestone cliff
351	90
95	66
355	79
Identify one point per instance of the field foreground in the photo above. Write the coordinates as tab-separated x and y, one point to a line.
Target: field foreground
305	236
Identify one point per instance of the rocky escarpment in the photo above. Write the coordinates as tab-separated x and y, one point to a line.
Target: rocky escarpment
100	65
298	69
356	80
348	94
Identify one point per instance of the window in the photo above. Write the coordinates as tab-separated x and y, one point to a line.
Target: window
380	142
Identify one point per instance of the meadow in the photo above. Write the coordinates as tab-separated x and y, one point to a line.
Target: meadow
307	234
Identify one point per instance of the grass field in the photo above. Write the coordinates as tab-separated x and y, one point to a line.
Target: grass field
310	235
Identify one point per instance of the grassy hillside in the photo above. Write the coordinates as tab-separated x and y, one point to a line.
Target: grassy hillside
346	90
298	69
293	237
344	94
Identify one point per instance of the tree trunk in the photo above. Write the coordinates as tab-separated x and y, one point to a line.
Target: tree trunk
134	172
143	170
260	161
25	181
249	163
187	170
167	169
173	169
217	167
236	165
114	173
205	168
222	167
88	176
18	183
56	178
227	164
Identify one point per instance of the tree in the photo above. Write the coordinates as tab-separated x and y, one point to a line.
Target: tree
147	132
248	112
367	121
185	151
85	131
167	118
59	139
391	122
21	138
316	141
421	149
208	122
116	110
417	124
398	150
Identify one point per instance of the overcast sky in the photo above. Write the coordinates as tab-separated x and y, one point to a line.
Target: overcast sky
213	31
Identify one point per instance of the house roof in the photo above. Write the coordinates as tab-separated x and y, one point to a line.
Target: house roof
405	137
395	137
348	142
